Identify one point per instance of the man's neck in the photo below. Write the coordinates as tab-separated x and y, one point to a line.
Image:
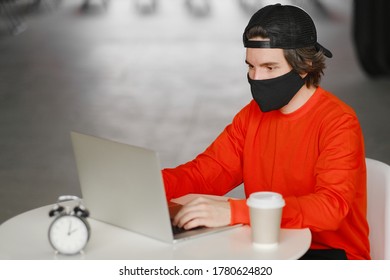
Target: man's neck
299	99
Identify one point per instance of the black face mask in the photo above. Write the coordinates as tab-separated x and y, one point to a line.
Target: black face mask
273	94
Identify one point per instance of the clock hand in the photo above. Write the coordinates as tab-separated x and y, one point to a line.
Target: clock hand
70	228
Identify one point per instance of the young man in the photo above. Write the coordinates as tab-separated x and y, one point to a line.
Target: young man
294	138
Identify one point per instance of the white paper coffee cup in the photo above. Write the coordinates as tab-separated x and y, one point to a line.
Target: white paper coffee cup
265	217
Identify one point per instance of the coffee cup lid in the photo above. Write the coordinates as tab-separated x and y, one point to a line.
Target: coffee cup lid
265	200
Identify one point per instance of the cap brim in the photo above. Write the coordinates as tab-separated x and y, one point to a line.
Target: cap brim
326	52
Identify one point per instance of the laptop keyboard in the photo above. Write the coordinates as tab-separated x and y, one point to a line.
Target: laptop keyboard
177	230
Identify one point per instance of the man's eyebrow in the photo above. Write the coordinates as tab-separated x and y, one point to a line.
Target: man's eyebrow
247	62
265	64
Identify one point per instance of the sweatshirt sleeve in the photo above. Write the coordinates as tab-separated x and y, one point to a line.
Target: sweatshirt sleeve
339	171
239	212
215	171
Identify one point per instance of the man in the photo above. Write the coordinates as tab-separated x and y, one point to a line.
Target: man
294	138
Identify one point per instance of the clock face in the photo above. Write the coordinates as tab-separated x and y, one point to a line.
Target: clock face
68	234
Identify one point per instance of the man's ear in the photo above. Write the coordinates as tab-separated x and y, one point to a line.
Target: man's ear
309	62
303	75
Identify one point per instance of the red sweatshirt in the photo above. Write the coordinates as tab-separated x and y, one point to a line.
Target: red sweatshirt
314	157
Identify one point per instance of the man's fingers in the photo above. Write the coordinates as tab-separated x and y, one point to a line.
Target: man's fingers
203	212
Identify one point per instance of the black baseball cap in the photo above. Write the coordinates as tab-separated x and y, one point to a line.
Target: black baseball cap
288	27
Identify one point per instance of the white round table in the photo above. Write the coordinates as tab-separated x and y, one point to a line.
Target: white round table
25	237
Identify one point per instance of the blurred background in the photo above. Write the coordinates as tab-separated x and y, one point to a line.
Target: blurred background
163	74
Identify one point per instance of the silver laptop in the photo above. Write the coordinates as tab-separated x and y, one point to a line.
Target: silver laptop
122	185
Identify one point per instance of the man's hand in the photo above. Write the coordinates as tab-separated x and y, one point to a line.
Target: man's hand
203	212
